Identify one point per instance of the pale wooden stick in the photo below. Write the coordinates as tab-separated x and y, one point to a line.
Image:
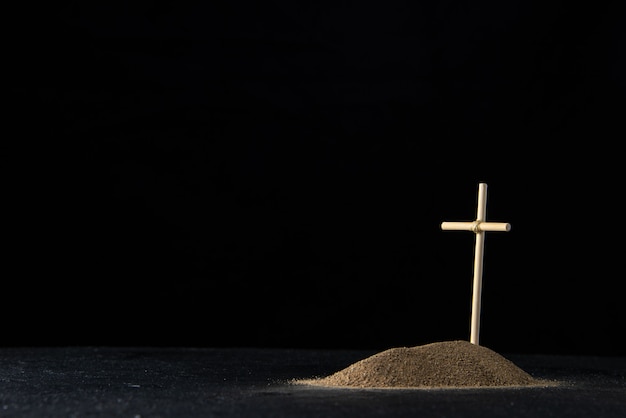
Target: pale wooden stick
478	264
471	226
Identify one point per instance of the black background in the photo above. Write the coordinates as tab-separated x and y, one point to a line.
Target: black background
275	174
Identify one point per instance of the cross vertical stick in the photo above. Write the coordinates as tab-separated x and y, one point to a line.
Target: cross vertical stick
479	227
478	264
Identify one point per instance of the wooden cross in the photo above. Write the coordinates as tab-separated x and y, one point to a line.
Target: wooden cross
479	227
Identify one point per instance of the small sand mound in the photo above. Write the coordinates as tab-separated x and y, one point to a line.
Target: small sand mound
440	364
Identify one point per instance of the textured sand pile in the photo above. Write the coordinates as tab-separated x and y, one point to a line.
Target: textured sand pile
441	364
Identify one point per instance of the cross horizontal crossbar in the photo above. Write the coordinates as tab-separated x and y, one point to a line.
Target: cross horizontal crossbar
476	226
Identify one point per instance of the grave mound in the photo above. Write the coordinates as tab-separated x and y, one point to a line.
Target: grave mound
446	364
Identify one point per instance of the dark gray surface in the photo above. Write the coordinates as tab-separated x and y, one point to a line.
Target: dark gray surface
248	382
